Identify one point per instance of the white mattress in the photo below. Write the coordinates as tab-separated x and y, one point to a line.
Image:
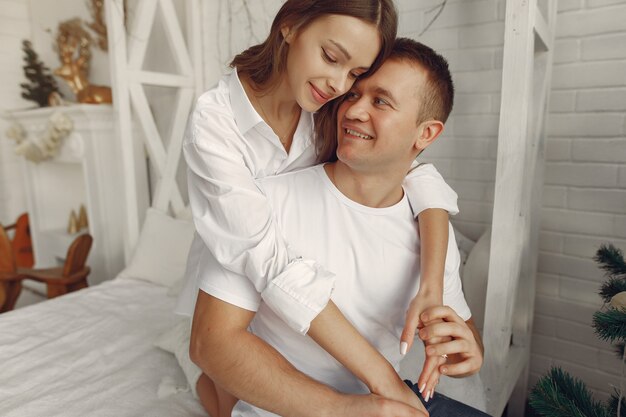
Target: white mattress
91	353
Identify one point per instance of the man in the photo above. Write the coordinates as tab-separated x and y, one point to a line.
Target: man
352	215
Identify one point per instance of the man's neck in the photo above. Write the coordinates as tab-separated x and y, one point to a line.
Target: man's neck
369	189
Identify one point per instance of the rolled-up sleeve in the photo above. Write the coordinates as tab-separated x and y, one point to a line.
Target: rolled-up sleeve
236	223
426	188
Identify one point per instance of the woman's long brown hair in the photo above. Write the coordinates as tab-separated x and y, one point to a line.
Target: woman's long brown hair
264	62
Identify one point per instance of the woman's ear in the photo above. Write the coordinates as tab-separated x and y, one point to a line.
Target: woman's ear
287	33
427	132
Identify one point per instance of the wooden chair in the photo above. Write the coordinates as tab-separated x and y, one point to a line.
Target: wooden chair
72	276
10	278
21	242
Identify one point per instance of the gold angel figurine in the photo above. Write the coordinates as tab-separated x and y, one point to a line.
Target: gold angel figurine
82	218
73	46
72	226
98	25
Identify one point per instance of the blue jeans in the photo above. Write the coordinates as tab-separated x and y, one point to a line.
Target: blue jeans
442	406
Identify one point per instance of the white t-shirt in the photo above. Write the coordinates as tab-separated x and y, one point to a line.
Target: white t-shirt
374	253
227	146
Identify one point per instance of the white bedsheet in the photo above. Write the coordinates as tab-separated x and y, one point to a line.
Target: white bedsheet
91	353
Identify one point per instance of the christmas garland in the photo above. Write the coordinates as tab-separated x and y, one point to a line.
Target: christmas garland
47	144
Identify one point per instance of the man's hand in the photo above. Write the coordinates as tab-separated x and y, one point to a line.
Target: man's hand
464	349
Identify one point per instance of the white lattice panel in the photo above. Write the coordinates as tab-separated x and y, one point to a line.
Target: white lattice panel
135	111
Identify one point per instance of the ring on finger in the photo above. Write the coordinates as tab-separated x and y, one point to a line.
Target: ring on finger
444	356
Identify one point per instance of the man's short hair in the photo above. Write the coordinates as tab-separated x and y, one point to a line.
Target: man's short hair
438	96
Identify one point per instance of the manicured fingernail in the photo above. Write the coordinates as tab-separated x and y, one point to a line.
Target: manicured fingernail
427	397
432	393
422	388
444	370
403	348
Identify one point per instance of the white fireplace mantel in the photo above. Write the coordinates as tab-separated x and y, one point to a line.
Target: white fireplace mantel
87	170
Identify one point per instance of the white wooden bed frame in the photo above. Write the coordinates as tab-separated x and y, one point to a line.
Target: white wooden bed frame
527	63
526	76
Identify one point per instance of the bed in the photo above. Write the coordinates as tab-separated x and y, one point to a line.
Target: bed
93	352
96	351
110	350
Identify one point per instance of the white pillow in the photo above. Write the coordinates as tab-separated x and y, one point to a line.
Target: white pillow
176	341
184	214
161	253
465	245
475	277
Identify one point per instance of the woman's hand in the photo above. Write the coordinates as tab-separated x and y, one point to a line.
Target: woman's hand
373	405
394	388
425	299
429	377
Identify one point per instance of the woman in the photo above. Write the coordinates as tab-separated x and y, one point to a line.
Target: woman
258	121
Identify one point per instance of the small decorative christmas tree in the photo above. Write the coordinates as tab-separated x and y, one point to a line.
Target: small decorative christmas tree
560	395
42	84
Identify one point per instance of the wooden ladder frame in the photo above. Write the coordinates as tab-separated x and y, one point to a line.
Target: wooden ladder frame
134	118
509	310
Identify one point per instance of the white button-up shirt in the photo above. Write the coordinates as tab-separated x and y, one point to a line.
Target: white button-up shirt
227	145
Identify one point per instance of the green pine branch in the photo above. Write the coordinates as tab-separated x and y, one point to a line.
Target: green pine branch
610	325
613	405
611	260
560	395
41	83
614	285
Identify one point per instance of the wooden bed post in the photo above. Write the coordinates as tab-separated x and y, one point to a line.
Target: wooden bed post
526	75
134	116
116	34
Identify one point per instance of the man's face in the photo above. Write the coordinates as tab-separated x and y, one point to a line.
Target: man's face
377	122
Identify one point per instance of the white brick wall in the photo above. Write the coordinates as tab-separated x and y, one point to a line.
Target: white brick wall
14	26
584	195
585	167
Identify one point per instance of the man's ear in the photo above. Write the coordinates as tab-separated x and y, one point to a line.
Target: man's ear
427	132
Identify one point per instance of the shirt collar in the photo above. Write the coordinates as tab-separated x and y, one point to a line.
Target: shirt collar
245	115
305	130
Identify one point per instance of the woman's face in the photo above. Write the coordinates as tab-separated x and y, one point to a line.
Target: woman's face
327	56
